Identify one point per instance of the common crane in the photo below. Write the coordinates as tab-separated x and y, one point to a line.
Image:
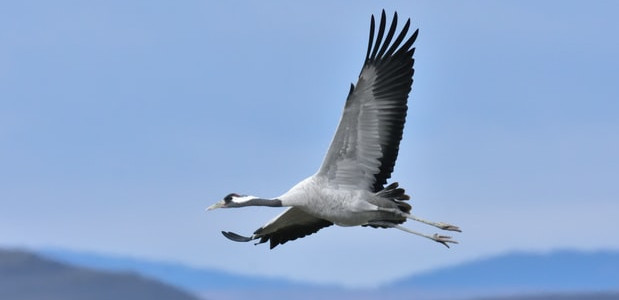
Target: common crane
348	189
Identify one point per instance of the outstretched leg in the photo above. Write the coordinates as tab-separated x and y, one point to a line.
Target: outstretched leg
440	225
443	239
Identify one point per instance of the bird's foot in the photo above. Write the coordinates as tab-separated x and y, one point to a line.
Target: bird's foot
448	227
443	239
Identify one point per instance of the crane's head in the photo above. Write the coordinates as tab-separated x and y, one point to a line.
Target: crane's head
232	200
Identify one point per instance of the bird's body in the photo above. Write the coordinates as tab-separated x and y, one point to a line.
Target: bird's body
311	196
348	188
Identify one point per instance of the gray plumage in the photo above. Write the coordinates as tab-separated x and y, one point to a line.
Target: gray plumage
348	189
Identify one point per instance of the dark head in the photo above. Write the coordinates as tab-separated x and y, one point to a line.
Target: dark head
236	200
231	200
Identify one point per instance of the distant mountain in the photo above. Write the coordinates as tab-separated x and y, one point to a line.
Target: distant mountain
561	271
556	275
27	276
189	278
578	296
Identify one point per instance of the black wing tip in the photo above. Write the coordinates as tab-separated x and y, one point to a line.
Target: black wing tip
379	37
235	237
376	42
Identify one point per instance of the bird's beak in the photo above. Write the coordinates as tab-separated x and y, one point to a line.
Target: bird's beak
216	205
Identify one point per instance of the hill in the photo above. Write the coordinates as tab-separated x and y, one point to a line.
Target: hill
186	277
560	271
532	276
27	276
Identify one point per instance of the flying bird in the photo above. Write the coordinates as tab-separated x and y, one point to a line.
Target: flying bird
349	187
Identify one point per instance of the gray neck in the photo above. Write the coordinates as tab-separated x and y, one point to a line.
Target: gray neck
264	202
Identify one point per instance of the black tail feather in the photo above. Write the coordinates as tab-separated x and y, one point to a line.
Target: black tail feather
396	194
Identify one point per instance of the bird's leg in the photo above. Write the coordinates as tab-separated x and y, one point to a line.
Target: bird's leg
440	225
443	239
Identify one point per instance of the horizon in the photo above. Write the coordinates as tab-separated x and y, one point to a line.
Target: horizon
100	260
527	275
121	122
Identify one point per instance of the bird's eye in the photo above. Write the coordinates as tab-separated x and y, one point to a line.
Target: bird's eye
228	198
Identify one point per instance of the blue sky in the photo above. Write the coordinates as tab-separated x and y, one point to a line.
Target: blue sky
121	121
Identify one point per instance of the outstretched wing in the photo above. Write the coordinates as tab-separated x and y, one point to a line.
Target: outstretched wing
290	225
365	147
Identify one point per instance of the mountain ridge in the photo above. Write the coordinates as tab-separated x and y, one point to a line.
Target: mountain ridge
519	275
28	276
560	270
186	277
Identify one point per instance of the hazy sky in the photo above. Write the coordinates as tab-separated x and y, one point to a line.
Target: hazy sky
120	121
